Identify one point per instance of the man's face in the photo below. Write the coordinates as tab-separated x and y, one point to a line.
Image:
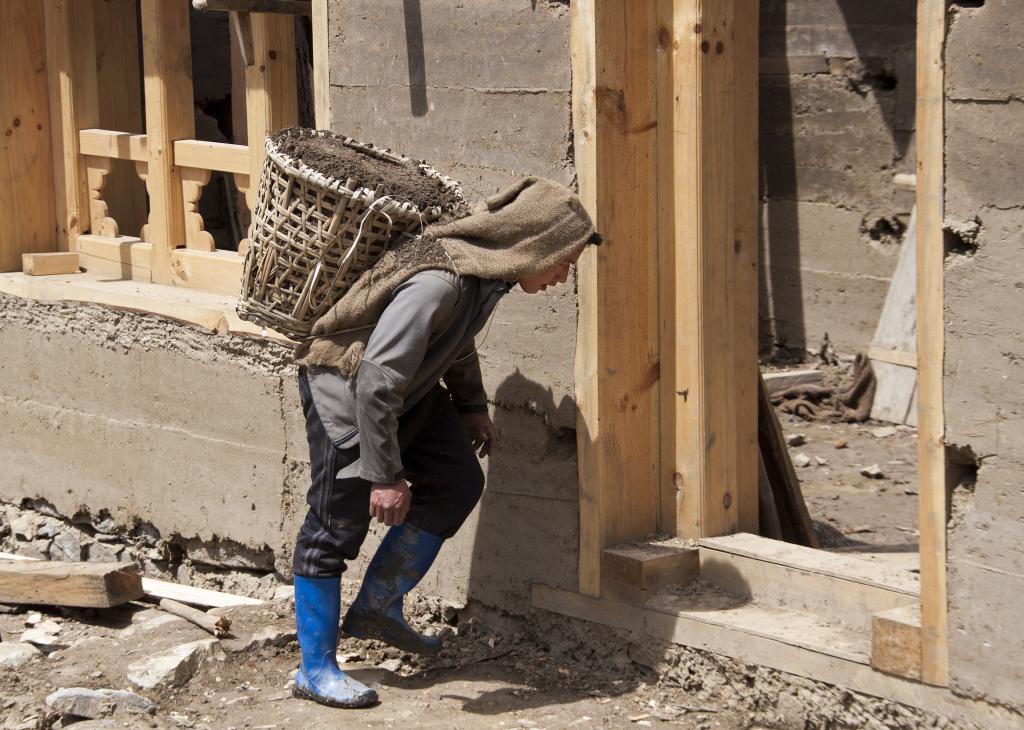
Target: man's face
557	274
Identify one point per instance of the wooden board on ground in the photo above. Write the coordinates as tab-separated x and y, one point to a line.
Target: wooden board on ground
790	508
44	264
778	381
87	585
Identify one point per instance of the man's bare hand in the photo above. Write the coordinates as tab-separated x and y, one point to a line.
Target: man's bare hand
389	503
482	433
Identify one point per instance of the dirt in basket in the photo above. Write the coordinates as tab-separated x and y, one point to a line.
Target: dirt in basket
329	156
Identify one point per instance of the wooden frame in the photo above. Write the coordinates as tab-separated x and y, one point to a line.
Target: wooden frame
174	166
931	35
663	91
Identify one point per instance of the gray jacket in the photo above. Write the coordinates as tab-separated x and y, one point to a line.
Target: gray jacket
425	334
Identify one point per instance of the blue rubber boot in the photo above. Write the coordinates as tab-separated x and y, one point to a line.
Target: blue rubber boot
317	609
403	558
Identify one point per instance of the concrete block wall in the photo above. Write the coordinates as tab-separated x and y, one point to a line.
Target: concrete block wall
984	346
837	120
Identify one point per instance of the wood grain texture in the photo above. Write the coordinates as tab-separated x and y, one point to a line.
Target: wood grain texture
617	347
167	56
87	585
931	36
896	641
45	264
74	105
119	87
26	159
322	64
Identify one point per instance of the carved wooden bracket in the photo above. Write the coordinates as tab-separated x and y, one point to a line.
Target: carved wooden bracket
142	170
193	181
97	169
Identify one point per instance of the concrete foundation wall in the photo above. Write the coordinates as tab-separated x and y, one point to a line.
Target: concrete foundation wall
984	347
837	120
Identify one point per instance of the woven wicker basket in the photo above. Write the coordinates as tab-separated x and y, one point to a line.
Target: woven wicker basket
312	236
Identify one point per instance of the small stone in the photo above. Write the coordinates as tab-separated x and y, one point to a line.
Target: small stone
95	703
840	443
102	552
66	546
49	626
391	665
267	636
872	472
26	526
96	675
175	667
796	439
284	593
801	460
883	432
13	655
33	618
821	461
105	525
39	637
49	528
910	491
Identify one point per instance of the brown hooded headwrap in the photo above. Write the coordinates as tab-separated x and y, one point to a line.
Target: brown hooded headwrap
521	231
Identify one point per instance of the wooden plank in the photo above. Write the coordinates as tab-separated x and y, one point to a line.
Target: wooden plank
699	401
117	145
896	357
287	7
321	64
27	206
74	105
115	23
751	648
613	58
194	596
212	156
44	264
896	641
931	35
778	381
170	116
124	257
87	585
241	36
271	96
212	271
743	281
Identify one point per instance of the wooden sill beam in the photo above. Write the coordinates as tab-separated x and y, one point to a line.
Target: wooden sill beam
219	156
114	145
283	7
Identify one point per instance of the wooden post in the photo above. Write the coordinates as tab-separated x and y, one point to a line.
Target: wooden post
321	64
613	53
271	94
170	115
702	358
74	105
743	287
26	164
931	36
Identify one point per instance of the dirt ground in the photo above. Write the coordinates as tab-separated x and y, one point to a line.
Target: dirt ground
496	671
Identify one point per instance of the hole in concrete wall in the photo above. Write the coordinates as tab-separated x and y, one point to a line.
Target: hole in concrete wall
884	229
967	3
864	75
962	466
961	237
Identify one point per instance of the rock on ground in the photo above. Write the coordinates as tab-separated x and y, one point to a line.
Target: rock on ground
175	667
94	703
13	654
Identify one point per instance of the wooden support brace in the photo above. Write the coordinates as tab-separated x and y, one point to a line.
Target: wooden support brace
241	28
196	236
97	169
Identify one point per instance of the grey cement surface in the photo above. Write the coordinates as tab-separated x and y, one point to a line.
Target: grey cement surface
984	399
836	120
202	436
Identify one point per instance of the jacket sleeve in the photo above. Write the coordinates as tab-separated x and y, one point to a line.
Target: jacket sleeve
393	354
465	383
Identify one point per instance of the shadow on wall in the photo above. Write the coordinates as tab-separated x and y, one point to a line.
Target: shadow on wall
415	57
528	523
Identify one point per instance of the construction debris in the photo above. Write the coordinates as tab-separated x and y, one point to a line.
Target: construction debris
217	625
14	654
95	703
174	667
89	585
873	472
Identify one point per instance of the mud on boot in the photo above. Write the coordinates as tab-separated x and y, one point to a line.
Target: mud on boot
317	609
403	558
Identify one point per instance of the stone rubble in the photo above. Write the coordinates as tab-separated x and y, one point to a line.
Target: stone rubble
92	703
174	667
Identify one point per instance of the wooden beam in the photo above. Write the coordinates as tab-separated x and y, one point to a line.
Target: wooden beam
117	145
44	264
74	105
26	157
271	96
931	37
633	573
286	7
743	283
170	116
322	64
613	53
115	23
212	156
701	362
241	36
87	585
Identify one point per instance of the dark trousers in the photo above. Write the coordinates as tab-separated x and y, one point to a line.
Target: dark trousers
444	474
